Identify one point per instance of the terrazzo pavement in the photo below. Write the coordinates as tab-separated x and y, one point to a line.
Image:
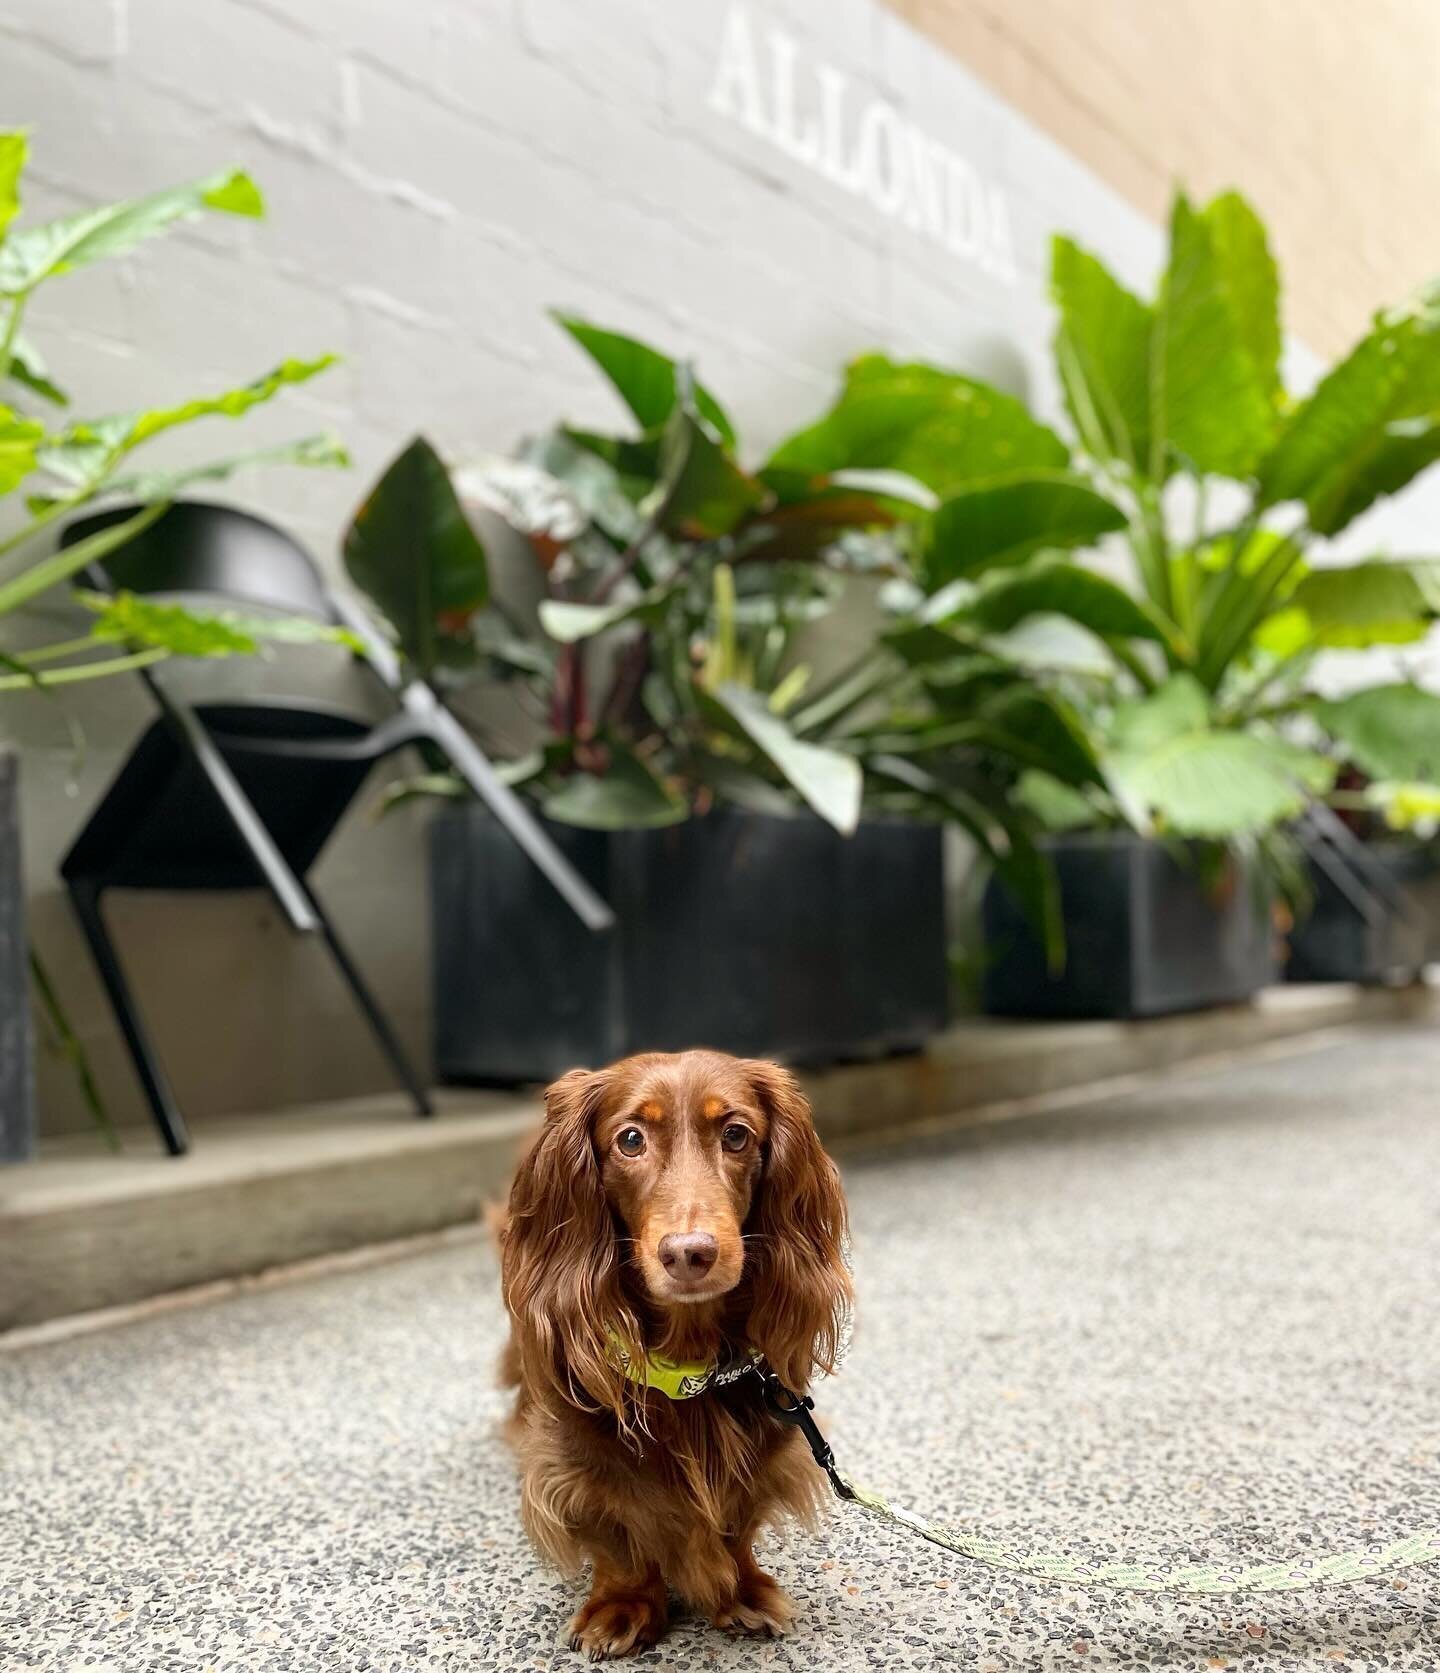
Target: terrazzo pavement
1194	1321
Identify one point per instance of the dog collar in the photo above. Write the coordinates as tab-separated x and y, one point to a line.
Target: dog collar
678	1379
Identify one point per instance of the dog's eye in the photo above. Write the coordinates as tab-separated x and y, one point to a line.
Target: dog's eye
630	1142
735	1137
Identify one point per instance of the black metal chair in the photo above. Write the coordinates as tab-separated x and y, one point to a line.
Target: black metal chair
223	796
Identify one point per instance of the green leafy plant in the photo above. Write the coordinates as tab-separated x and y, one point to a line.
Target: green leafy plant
663	653
58	465
1215	489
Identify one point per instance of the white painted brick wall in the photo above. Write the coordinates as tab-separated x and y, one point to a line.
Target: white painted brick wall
438	172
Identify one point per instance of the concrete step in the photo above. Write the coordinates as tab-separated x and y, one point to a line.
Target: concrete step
81	1229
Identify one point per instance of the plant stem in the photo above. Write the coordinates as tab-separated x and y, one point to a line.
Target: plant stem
85	670
69	560
71	1049
12	331
36	523
643	535
1155	564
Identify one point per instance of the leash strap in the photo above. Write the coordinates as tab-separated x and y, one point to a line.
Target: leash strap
1342	1568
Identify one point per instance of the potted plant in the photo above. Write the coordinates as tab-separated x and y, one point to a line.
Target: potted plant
775	863
57	467
1373	909
1190	465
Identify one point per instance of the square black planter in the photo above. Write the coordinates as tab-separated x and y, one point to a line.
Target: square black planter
739	931
1387	934
1146	933
17	1093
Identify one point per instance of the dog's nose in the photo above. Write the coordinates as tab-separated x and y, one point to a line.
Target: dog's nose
688	1255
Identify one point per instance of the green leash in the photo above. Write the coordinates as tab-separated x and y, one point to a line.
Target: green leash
1342	1568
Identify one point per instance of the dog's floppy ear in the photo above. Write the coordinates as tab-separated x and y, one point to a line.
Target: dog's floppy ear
799	1284
559	1266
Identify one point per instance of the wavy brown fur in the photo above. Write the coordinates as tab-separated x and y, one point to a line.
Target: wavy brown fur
657	1493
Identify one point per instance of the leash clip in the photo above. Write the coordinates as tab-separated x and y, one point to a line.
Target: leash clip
796	1411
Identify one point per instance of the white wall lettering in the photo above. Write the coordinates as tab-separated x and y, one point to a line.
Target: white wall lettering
870	150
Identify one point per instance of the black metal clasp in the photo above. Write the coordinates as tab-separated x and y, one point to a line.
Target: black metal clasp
797	1410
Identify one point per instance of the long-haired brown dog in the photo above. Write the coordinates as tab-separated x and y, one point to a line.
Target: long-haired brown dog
682	1206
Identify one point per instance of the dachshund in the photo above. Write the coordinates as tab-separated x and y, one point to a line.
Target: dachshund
675	1210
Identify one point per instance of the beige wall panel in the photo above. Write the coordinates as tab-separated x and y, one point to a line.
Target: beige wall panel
1323	112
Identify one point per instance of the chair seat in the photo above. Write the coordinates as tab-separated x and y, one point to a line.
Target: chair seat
161	825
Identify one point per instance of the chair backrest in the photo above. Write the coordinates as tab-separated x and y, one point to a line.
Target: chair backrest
160	824
197	547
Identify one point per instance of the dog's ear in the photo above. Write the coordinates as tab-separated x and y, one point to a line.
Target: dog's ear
559	1267
799	1284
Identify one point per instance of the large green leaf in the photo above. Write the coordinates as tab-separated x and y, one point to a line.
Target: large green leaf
593	482
1370	427
567	622
323	450
810	511
61	246
38	578
701	492
1248	276
627	797
1058	587
231	403
1143	724
1208	398
643	377
14	151
920	643
1049	725
1217	784
412	550
124	618
831	783
1008	521
1058	806
28	368
19	439
1171	771
1388	731
1379	602
944	430
87	451
1102	348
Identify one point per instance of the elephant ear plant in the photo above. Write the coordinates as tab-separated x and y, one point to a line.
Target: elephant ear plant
1221	490
55	465
672	591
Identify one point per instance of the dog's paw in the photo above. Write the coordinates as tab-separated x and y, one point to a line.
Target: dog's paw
618	1624
759	1606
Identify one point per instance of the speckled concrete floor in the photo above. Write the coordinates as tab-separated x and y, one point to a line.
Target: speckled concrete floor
1195	1320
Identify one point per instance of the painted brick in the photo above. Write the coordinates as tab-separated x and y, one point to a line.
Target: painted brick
244	60
87	32
407	40
610	48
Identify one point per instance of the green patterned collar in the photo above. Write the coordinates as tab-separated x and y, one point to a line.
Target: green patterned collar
678	1379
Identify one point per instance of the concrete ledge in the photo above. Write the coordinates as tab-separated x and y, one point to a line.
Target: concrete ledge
82	1230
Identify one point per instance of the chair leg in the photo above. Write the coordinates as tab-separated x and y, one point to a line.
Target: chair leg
379	1025
85	897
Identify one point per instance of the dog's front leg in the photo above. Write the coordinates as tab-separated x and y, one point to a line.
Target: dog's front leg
759	1604
719	1578
626	1610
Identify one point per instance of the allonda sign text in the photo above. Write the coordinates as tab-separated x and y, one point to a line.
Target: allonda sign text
866	148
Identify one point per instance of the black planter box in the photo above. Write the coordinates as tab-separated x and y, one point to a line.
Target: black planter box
1387	936
1146	933
739	931
17	1095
